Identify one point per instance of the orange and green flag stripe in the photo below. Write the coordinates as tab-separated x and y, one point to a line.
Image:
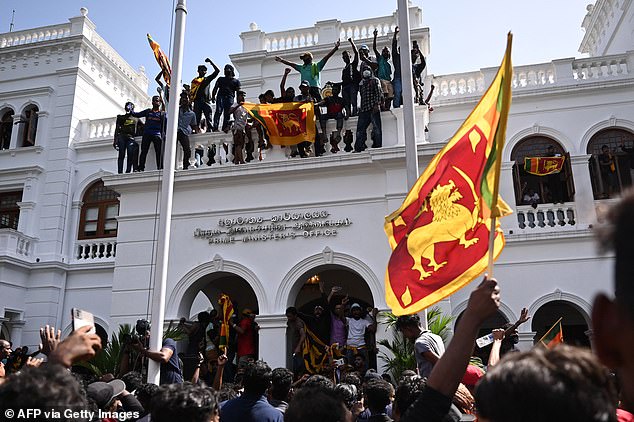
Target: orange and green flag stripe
554	336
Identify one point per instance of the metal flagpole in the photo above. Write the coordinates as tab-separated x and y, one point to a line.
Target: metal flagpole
407	82
167	190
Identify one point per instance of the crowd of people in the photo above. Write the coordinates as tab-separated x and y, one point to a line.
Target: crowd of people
368	86
562	383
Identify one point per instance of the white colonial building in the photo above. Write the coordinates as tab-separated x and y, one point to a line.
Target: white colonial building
76	234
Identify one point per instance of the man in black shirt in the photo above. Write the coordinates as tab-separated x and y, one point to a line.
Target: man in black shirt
199	92
350	78
224	94
124	132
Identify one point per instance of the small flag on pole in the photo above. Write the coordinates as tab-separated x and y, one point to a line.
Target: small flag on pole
554	336
543	166
227	313
439	235
285	123
161	59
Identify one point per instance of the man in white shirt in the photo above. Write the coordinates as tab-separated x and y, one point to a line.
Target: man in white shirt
357	327
429	346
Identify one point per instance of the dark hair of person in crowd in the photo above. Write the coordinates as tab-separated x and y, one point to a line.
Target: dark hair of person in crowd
227	392
319	381
281	382
378	394
132	380
561	384
184	402
352	378
49	387
407	391
257	377
348	393
316	405
144	394
291	311
407	321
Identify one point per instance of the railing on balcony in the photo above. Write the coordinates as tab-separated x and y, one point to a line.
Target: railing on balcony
546	217
16	244
95	250
558	73
30	36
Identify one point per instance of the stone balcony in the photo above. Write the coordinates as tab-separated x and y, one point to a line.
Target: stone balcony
14	244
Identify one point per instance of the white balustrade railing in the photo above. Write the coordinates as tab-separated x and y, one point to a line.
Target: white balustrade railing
594	68
35	35
284	40
361	29
558	73
16	244
101	128
95	250
546	217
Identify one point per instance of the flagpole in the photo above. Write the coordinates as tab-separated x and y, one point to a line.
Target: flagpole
167	190
407	83
495	211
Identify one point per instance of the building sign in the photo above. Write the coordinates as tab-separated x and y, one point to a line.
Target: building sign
287	225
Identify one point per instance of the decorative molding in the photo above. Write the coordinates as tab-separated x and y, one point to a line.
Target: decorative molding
290	284
610	122
81	188
554	134
27	92
504	309
584	308
328	255
218	263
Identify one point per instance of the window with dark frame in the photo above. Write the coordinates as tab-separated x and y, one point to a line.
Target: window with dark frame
6	128
99	212
9	209
29	125
611	180
556	187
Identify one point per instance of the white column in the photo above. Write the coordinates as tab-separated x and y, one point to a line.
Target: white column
25	221
527	339
272	337
13	144
42	127
584	199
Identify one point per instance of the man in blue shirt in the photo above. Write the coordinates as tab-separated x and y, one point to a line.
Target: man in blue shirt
186	125
252	405
171	371
152	132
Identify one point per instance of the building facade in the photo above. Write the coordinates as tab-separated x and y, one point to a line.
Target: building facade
79	235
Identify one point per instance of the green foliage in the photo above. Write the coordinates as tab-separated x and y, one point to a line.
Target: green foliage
401	355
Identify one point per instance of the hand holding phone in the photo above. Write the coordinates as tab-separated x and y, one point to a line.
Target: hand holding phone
83	318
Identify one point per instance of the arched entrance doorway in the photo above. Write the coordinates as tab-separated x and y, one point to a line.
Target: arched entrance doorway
305	295
574	322
202	296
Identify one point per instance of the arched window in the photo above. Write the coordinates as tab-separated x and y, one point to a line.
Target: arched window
552	188
6	127
611	163
99	212
28	126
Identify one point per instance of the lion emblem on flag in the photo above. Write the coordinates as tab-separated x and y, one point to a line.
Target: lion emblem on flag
451	222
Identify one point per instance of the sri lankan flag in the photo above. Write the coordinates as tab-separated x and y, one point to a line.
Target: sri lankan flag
285	123
439	235
543	166
161	59
227	313
554	336
315	352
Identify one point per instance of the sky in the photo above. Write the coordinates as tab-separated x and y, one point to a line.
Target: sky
465	35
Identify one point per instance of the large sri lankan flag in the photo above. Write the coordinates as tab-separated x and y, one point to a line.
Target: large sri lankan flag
227	312
161	59
439	235
285	123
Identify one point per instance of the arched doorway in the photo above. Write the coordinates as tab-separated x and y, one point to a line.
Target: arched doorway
558	187
305	294
574	322
203	294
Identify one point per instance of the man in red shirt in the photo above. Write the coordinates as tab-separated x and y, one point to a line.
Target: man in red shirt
247	329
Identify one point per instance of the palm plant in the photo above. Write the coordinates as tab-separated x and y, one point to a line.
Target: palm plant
400	354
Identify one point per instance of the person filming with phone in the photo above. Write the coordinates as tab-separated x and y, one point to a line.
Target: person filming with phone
171	371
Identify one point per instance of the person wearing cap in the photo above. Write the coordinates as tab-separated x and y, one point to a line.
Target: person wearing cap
199	93
153	131
247	330
384	72
223	95
369	112
171	371
309	70
110	396
358	325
